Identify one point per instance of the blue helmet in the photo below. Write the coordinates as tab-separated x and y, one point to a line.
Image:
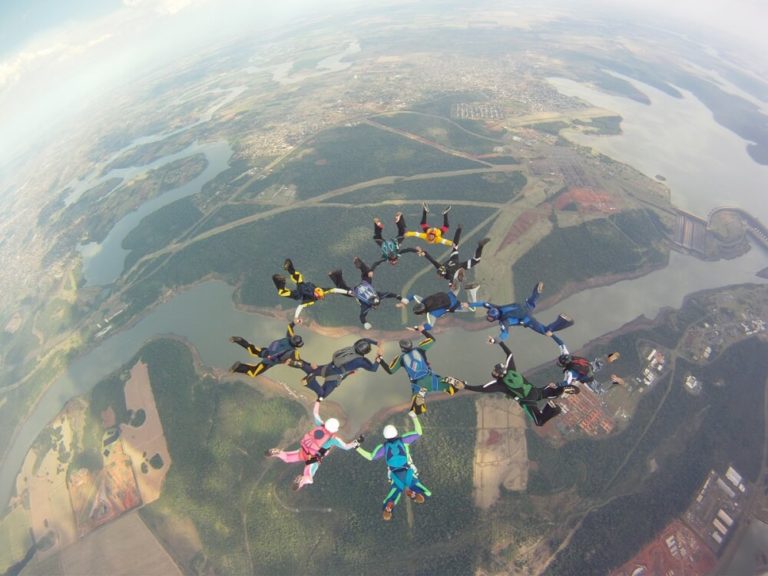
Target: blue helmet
493	314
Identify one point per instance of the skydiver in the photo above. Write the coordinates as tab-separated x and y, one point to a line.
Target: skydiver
453	269
579	369
313	447
423	380
306	292
432	235
343	363
390	249
366	295
282	351
437	305
514	385
516	314
402	474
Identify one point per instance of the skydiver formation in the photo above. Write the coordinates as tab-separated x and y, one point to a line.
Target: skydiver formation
323	379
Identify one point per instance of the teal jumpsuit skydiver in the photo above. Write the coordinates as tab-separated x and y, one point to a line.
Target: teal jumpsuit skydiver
391	249
402	473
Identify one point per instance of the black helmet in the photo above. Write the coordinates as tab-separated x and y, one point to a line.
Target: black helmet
499	370
419	308
362	347
297	341
406	345
564	359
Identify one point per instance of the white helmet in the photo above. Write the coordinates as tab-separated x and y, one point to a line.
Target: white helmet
390	432
332	425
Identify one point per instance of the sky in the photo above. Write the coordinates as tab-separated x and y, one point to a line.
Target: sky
57	56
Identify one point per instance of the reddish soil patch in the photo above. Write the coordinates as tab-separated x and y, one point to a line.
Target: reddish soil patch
524	222
587	200
676	550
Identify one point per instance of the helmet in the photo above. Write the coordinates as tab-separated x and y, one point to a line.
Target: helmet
419	308
362	347
564	359
297	341
319	293
493	314
499	370
390	432
406	345
332	425
392	259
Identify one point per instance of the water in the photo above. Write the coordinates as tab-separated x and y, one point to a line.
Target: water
706	165
103	263
205	315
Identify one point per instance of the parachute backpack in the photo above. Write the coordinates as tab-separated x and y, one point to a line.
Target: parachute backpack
389	249
415	363
517	384
582	367
279	347
365	293
312	443
397	455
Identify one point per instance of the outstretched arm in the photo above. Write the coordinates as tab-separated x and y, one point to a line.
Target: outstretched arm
392	367
316	414
289	332
510	361
429	257
375	454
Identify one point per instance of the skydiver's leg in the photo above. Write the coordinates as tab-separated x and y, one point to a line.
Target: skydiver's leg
279	281
384	295
393	497
424	212
456	237
251	370
332	381
475	260
252	350
378	228
420	488
338	279
537	290
445	225
363	267
541	417
561	323
310	381
289	457
401	226
308	476
296	276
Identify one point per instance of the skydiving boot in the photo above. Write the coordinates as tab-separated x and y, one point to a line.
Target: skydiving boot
447	210
279	281
539	287
240	341
415	496
453	384
288	265
425	207
419	403
387	513
239	368
562	322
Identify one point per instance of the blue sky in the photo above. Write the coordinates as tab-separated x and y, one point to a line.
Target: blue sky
20	20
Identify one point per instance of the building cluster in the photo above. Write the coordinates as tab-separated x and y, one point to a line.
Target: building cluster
716	508
654	367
